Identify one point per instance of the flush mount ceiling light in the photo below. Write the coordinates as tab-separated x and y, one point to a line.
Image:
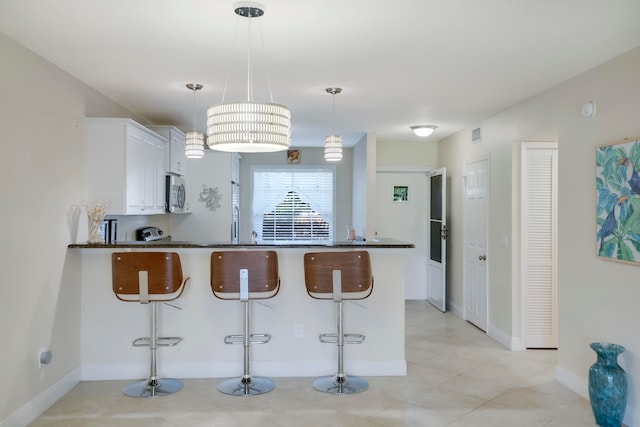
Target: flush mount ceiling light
423	130
333	142
194	146
249	127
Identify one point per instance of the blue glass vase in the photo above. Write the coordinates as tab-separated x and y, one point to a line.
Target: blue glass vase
607	385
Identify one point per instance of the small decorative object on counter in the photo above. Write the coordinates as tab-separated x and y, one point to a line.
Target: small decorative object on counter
254	237
73	217
351	233
607	385
96	212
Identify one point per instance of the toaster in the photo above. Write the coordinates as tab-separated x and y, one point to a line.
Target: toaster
148	234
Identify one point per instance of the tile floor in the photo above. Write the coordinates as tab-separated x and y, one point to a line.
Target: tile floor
457	377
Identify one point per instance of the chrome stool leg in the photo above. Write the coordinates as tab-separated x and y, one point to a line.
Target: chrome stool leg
340	383
246	385
153	386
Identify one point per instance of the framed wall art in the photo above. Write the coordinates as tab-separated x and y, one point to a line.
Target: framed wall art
618	201
293	157
400	193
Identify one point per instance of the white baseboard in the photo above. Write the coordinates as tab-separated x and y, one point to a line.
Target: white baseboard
572	381
130	371
455	309
37	406
512	343
499	336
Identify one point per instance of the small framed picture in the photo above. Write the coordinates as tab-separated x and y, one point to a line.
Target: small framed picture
401	193
293	157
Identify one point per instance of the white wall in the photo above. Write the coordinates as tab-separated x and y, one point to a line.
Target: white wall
309	157
204	224
42	111
598	300
420	153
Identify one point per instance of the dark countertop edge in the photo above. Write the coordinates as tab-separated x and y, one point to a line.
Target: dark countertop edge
386	244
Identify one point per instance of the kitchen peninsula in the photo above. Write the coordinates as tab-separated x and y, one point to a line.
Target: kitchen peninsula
293	319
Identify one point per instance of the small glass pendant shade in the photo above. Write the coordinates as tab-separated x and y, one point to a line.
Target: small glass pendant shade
194	145
333	148
194	142
333	142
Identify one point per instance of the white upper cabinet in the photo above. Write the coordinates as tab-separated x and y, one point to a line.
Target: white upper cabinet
174	155
126	166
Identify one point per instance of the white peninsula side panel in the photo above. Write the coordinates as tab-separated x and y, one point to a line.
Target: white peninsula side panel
109	326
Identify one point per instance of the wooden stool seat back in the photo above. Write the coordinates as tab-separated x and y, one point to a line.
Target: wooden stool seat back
164	281
262	266
356	275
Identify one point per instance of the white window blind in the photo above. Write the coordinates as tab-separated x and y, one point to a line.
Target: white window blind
293	204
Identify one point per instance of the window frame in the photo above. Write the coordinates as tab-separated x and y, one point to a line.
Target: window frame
293	169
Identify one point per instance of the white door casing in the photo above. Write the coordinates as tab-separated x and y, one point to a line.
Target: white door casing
437	261
475	293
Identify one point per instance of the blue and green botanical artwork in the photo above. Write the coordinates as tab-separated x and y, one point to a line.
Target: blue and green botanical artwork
618	211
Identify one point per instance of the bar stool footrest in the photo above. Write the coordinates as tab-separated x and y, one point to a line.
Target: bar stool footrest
253	339
348	338
160	341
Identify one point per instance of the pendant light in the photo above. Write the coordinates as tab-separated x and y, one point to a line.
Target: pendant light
194	145
249	127
333	142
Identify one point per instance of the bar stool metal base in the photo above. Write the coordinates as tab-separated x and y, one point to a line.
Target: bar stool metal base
153	388
345	385
251	386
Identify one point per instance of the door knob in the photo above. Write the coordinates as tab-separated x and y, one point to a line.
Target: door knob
482	257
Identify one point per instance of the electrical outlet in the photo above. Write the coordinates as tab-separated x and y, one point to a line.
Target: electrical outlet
298	330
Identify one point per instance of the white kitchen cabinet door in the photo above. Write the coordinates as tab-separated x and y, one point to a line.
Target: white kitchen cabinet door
126	166
134	171
175	159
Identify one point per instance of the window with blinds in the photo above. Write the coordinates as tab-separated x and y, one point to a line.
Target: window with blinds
293	204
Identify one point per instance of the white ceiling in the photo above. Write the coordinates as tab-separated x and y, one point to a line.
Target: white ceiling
450	63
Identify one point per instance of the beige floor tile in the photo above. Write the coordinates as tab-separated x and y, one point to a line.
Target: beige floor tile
457	377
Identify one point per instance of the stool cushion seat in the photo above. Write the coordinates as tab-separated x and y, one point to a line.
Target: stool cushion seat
164	281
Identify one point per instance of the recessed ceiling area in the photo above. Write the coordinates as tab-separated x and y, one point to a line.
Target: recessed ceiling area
399	63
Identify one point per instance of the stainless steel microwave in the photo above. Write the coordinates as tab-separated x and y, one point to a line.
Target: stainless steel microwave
176	194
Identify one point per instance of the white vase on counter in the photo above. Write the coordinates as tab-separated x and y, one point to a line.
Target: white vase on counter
351	233
73	218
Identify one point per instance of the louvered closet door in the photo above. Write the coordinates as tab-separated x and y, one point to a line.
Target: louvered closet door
539	196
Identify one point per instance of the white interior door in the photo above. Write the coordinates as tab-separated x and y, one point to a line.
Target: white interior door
405	218
539	237
476	190
437	262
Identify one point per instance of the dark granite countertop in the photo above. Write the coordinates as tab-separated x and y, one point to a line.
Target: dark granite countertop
376	243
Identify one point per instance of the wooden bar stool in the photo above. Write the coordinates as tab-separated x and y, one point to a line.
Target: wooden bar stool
339	276
245	276
149	278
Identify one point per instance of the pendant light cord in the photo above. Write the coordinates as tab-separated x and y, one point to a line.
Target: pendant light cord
333	114
194	109
249	69
249	76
